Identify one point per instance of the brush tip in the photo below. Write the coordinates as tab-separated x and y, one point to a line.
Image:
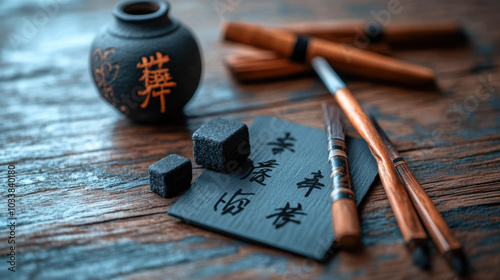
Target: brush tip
421	258
459	264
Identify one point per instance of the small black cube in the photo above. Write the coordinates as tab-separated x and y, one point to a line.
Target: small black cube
170	175
221	145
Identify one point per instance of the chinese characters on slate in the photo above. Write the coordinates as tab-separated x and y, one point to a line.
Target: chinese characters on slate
233	206
259	173
285	215
311	183
282	144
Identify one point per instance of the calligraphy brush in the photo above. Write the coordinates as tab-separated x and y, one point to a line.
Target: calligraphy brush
259	65
412	230
441	234
344	211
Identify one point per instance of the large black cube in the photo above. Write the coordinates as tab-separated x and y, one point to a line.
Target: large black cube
221	145
170	175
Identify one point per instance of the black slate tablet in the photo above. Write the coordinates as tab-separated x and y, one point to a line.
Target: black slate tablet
280	197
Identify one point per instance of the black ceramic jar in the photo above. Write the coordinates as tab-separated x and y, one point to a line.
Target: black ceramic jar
144	63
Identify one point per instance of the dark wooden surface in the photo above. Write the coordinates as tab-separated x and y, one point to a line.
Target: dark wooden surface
84	207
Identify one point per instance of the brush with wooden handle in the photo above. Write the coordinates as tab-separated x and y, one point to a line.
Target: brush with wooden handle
441	234
345	58
412	230
344	211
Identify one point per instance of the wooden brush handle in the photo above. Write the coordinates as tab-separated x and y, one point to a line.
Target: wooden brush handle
345	59
405	214
344	210
439	231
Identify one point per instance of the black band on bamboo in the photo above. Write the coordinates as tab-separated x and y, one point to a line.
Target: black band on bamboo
396	160
300	49
374	31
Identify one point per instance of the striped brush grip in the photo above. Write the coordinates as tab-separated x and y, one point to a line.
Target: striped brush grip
344	211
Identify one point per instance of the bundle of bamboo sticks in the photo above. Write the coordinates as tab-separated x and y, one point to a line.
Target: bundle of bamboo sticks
355	47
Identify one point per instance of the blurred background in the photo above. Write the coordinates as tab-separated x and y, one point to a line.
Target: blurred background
85	208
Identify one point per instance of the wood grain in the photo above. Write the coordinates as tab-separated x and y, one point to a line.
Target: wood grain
444	239
85	209
439	231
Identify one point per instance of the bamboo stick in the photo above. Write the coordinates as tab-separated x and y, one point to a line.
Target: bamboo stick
344	211
409	224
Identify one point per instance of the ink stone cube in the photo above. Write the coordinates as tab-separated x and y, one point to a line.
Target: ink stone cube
170	175
221	145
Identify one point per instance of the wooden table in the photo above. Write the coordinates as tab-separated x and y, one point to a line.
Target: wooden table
83	205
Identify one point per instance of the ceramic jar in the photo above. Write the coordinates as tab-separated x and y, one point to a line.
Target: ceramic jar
146	64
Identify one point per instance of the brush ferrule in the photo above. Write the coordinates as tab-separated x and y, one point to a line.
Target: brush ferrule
329	77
